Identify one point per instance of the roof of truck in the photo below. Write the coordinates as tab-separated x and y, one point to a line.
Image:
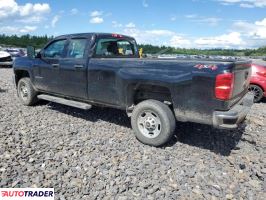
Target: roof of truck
88	35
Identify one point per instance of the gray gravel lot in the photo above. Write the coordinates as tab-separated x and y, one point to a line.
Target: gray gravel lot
94	154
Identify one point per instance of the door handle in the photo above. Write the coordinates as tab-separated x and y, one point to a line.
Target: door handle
55	65
78	66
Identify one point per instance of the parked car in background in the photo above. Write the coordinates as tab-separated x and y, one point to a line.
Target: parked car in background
16	53
258	81
5	58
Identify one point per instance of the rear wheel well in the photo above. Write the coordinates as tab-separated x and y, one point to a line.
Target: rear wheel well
19	74
145	92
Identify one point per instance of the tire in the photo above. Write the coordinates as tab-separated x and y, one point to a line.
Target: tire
26	93
257	91
153	122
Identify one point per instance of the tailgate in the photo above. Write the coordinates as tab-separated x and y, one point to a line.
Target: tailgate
242	74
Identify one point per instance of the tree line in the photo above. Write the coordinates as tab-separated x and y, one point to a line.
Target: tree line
223	52
40	41
24	40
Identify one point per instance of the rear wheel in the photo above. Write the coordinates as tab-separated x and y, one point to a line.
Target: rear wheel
153	122
257	91
26	93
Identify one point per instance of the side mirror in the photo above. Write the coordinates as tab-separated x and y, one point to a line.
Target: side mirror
30	52
39	55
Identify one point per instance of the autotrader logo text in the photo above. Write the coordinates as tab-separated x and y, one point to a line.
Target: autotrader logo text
27	193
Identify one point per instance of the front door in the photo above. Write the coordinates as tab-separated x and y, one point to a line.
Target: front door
46	68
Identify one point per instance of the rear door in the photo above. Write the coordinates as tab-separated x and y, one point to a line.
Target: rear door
109	57
73	69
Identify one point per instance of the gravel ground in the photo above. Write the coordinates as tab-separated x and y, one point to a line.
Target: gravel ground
94	154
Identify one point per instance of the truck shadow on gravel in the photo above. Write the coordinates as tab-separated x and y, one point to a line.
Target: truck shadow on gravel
95	114
221	142
263	100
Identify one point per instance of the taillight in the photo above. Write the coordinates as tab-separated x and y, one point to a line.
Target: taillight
224	86
262	73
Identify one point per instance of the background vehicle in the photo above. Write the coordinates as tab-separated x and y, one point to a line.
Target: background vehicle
258	81
15	52
82	70
5	58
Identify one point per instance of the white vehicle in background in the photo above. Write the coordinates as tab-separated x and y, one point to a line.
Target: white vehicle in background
15	52
5	59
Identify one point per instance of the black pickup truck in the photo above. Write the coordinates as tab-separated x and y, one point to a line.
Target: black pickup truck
88	69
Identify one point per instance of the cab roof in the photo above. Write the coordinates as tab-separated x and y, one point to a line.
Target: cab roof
89	35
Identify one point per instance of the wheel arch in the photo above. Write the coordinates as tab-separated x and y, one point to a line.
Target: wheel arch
139	92
19	74
257	84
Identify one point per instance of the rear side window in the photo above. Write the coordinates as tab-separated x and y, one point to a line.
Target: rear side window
76	48
115	48
55	49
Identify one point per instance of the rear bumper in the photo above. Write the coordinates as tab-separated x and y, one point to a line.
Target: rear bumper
231	118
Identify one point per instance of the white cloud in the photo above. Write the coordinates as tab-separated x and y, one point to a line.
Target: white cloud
233	40
28	29
12	29
212	21
55	20
245	3
230	40
10	8
261	23
160	32
191	16
13	13
130	25
145	4
31	20
115	24
154	36
179	41
8	29
96	17
96	13
173	18
256	30
96	20
74	11
41	8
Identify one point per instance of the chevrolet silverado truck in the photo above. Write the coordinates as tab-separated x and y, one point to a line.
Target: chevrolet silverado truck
99	69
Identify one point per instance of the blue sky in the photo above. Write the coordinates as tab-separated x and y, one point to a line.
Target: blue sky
177	23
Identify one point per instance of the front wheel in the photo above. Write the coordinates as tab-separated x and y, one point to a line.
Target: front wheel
153	122
26	92
257	91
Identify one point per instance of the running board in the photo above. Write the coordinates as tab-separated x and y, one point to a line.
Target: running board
67	102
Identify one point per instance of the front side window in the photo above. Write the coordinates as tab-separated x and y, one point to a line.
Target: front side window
76	48
115	48
55	50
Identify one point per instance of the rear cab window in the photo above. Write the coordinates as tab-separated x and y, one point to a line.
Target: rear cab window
113	47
